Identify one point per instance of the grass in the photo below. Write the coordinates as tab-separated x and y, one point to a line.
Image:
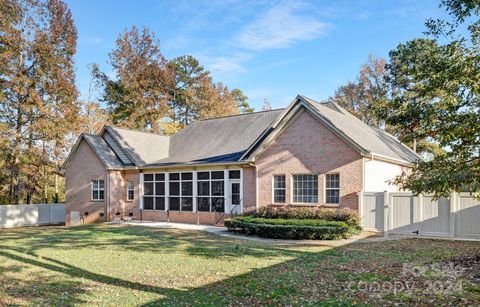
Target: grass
126	265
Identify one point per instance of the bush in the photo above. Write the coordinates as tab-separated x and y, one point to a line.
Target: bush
341	215
298	229
299	222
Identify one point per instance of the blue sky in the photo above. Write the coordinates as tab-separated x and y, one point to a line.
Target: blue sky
269	49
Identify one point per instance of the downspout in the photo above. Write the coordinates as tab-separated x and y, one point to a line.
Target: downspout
107	214
256	187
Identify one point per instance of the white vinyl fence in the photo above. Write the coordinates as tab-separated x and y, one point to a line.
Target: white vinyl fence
31	215
457	217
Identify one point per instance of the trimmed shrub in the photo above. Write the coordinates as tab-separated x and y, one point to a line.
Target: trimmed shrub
291	229
298	222
342	215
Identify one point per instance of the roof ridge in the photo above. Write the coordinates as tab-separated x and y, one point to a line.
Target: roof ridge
89	134
240	114
134	130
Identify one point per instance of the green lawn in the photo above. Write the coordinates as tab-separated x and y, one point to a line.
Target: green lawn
126	265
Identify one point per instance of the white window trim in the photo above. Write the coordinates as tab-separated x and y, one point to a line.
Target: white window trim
226	189
180	180
273	189
291	190
97	189
142	194
210	180
333	205
132	189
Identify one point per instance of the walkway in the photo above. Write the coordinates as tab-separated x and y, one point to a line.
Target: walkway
364	237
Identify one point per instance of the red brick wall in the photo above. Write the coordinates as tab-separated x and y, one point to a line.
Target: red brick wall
307	146
85	167
249	189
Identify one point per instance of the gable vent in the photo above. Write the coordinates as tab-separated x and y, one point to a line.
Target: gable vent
117	149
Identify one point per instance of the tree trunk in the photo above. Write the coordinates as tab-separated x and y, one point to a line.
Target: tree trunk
55	199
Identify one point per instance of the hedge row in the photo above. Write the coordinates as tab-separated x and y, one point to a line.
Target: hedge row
342	215
291	232
298	222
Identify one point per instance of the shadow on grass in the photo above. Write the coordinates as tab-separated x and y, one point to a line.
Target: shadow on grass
309	277
70	270
137	238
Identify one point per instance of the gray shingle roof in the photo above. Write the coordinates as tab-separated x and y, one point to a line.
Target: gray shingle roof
227	139
223	139
142	147
374	140
104	152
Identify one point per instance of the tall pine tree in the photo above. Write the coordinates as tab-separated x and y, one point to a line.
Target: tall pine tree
38	97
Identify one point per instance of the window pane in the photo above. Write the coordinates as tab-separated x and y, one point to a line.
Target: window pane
130	185
217	188
101	194
279	196
332	181
333	196
159	203
101	184
305	188
159	177
234	174
95	195
174	188
160	188
148	203
187	188
203	175
187	176
174	176
148	188
279	182
218	204
203	188
203	204
174	203
187	203
95	184
217	175
148	177
130	195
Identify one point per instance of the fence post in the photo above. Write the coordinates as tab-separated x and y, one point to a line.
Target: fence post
420	219
453	208
386	213
360	207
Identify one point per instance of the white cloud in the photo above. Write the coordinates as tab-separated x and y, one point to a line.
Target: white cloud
282	26
221	65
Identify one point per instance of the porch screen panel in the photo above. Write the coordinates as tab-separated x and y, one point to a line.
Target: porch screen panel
181	191
211	191
154	192
203	191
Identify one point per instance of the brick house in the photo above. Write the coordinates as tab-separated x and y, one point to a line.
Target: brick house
308	154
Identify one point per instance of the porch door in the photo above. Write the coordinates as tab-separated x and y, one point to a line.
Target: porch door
235	197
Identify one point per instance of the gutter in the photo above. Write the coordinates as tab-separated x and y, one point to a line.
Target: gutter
374	156
126	168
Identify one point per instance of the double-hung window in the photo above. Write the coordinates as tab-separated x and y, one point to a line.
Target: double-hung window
211	191
154	191
181	191
130	190
279	188
305	188
332	188
98	189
